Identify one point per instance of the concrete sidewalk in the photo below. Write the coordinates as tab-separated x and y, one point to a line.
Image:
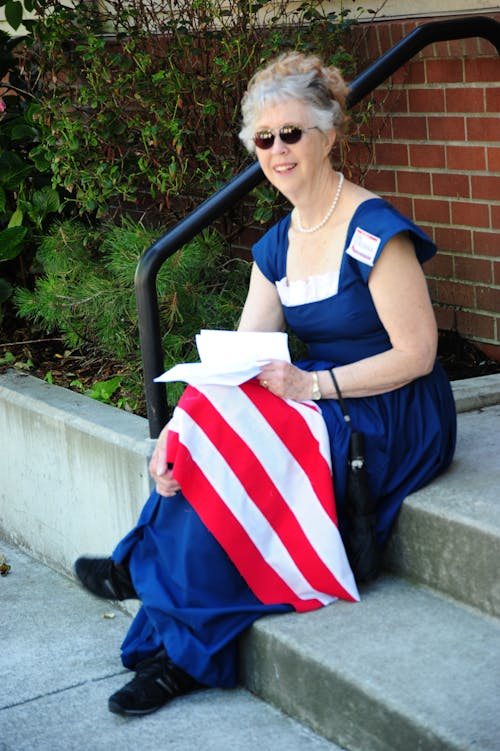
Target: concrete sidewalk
59	662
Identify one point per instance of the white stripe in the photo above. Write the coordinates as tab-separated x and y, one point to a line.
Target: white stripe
288	476
314	418
222	477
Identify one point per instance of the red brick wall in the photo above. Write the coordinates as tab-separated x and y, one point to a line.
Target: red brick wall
436	156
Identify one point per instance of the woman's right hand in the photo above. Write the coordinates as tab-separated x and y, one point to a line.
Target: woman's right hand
159	470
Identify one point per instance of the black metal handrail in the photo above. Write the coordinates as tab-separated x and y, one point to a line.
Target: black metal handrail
211	209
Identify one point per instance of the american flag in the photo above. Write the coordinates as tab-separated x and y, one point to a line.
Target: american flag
257	470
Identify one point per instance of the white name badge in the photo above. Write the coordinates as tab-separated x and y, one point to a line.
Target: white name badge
363	246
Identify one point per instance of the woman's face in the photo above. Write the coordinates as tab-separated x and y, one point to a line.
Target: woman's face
293	169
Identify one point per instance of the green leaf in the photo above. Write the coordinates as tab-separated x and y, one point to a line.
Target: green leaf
13	170
23	132
11	242
44	201
41	157
3	200
16	219
6	290
104	390
14	13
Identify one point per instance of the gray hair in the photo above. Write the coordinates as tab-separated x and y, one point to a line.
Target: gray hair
296	77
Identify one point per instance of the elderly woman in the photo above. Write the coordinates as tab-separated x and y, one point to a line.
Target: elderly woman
245	517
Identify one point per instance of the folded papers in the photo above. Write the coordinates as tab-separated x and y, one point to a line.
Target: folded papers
228	358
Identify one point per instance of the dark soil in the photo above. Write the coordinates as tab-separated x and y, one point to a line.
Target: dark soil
41	355
462	359
47	357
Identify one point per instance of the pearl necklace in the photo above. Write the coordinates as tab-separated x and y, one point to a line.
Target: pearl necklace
328	213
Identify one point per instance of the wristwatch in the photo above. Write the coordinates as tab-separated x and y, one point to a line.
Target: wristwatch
316	392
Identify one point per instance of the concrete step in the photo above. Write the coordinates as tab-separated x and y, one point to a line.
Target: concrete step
448	534
409	667
59	662
404	669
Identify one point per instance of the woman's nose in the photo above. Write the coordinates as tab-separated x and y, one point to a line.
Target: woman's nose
278	146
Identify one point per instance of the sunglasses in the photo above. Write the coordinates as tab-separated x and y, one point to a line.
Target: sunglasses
289	134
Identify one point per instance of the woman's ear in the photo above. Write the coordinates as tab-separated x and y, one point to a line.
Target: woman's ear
330	138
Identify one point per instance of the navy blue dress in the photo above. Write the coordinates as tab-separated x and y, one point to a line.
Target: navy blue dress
194	601
410	432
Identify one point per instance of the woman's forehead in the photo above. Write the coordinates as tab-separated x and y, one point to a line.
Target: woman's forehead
289	111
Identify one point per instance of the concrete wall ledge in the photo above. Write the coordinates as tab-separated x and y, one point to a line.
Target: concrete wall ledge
75	471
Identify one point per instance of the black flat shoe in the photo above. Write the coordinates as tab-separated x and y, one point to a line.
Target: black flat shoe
105	578
157	681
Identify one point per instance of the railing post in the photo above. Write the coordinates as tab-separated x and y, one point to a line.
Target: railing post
150	340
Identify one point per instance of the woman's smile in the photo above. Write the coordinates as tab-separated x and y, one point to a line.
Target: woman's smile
283	168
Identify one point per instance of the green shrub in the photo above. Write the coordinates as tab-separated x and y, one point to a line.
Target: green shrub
27	200
86	293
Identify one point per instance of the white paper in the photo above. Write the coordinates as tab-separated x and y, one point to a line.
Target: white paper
227	348
229	357
197	374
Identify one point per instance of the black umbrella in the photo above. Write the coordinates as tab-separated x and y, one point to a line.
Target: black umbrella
360	538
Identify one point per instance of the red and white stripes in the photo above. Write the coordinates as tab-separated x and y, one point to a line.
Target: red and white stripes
257	470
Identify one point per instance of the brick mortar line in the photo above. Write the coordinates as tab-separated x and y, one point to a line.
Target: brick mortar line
437	85
444	144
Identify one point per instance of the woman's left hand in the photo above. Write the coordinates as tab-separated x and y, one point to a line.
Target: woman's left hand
159	469
286	380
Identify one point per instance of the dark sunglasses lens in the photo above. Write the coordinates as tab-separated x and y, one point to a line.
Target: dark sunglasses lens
263	140
290	135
